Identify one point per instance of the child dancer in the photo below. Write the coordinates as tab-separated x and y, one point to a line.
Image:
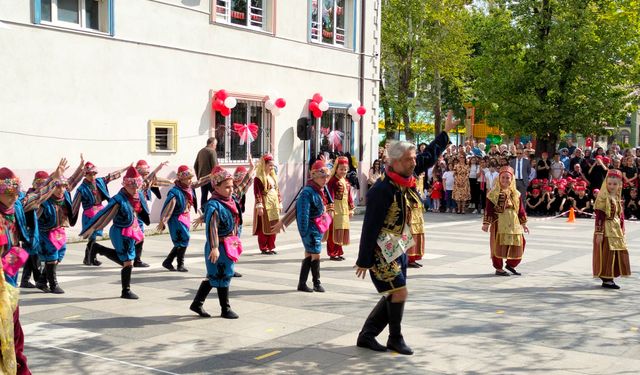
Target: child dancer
313	221
123	209
340	191
506	219
91	193
268	205
610	255
221	249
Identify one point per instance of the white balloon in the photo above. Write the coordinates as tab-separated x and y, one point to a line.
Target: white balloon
269	104
273	95
355	104
323	105
356	117
275	111
352	111
230	102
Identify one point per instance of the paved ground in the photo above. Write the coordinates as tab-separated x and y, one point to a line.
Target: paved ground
460	319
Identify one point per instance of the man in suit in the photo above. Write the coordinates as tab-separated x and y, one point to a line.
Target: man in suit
522	168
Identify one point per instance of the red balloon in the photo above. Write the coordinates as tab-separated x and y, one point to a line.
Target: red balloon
317	113
280	103
217	104
317	97
225	111
361	110
313	106
222	94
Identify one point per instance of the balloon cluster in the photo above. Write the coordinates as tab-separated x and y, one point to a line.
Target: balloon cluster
275	104
223	103
493	139
356	111
318	105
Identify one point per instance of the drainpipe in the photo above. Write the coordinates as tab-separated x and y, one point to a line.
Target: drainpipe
361	77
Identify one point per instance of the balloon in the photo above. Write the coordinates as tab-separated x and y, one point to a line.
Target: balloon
362	110
225	111
498	139
317	98
323	105
352	111
230	102
317	113
355	104
356	118
275	111
221	94
217	105
313	106
280	103
269	104
488	141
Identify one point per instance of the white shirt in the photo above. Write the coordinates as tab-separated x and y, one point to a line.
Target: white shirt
518	168
473	170
448	179
491	179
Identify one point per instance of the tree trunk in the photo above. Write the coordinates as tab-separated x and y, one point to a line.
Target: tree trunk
389	124
546	143
405	78
437	111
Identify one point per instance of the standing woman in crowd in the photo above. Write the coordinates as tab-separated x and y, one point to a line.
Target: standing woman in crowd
506	220
474	185
222	247
629	177
268	204
340	190
123	210
374	173
610	255
461	190
313	222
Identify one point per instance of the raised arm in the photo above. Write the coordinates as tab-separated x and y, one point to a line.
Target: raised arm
33	200
201	182
152	176
76	177
116	175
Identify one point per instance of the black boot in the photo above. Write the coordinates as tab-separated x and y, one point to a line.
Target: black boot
315	274
169	260
52	278
125	276
180	256
375	323
41	282
26	274
396	341
304	275
87	253
198	301
138	262
223	297
106	252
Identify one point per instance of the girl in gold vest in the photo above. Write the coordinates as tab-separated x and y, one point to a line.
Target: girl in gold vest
506	220
340	190
610	255
268	204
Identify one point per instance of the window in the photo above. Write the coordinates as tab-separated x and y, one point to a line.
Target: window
332	22
163	136
253	14
229	149
333	132
96	15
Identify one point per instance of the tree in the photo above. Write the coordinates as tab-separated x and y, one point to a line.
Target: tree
423	43
546	66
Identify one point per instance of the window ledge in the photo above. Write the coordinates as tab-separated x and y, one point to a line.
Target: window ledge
164	151
331	46
245	28
70	27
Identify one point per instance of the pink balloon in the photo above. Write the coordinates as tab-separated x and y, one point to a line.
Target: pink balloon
362	110
217	104
280	103
313	106
222	94
317	113
225	111
317	97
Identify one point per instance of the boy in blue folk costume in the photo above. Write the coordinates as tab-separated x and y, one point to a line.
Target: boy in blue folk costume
54	215
124	209
313	223
177	211
223	247
91	193
151	185
13	229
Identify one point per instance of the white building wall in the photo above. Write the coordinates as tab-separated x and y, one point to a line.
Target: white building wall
67	92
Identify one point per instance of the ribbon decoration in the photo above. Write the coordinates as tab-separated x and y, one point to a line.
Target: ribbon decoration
247	132
335	139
